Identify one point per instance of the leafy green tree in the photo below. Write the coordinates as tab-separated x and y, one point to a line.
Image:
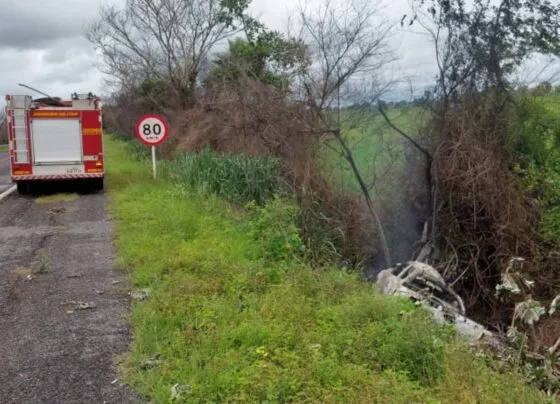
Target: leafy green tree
265	56
154	95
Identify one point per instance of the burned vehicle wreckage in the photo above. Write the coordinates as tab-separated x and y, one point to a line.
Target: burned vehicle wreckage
422	283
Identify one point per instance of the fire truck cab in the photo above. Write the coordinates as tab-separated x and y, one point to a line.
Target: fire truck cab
51	139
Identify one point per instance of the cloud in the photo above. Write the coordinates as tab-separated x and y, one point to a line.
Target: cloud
58	78
42	44
35	24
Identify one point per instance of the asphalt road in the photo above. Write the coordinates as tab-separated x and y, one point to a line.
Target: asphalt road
62	303
5	182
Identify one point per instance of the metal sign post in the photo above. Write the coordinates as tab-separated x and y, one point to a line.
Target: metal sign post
154	167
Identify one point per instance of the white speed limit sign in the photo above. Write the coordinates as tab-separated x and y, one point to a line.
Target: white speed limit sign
152	130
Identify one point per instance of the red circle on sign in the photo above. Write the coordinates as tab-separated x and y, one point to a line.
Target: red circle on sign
152	129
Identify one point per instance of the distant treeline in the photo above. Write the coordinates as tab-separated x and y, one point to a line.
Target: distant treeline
543	88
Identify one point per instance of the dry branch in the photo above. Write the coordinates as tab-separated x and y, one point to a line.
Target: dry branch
348	41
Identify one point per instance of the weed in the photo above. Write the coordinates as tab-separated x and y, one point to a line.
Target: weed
43	264
273	226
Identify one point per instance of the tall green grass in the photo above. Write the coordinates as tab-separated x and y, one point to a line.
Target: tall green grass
235	178
233	316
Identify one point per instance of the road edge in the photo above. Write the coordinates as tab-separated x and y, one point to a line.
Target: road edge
8	192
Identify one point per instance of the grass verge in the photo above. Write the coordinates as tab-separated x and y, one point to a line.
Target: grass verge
4	147
228	314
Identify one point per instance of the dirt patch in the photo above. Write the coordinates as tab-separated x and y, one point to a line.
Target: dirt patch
22	271
56	198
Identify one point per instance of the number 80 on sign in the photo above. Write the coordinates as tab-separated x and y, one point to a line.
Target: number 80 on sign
152	130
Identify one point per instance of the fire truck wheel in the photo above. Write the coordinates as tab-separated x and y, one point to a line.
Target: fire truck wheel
97	184
23	187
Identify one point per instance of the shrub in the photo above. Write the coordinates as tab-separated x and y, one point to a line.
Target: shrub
274	227
236	178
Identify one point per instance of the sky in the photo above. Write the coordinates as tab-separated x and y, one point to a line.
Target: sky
43	44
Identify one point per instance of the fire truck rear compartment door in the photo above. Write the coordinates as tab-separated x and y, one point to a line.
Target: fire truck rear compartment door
56	141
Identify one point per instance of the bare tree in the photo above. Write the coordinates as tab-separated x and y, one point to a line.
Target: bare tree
168	39
348	43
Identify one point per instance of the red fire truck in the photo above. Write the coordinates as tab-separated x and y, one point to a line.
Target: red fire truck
51	139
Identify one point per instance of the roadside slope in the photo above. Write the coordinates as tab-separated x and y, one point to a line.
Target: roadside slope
227	313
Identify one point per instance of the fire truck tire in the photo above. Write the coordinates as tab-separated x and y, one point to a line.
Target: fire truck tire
23	187
97	184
